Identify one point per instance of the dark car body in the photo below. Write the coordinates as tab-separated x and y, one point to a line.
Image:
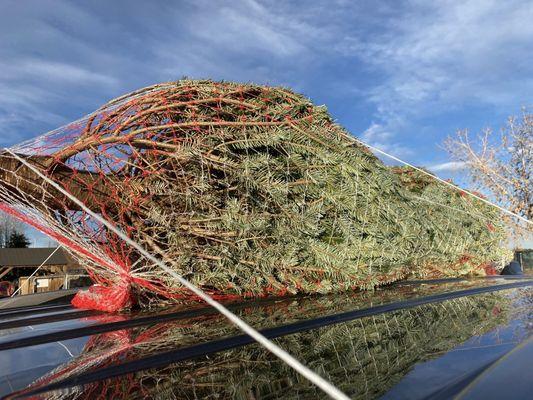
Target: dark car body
451	338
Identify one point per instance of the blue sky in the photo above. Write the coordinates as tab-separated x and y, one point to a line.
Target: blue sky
401	75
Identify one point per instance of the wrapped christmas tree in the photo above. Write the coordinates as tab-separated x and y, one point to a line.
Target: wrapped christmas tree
244	190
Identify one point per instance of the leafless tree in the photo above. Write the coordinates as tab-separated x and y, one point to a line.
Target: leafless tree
501	164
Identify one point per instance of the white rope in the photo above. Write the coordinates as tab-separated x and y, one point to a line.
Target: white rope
38	268
314	378
445	182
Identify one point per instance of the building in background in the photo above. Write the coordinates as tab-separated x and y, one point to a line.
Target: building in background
33	270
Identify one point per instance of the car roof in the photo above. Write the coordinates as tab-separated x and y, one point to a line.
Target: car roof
369	343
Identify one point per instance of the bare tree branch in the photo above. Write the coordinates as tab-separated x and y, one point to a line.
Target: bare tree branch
501	164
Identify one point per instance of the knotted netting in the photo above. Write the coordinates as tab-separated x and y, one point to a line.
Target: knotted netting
244	190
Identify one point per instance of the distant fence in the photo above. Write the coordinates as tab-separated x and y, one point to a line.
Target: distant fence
48	283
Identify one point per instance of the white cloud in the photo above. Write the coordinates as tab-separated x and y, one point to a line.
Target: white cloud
452	166
379	136
244	40
248	26
29	86
376	133
58	71
446	54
